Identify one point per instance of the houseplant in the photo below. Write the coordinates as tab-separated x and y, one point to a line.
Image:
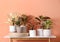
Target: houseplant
18	23
40	30
24	23
11	21
32	32
47	26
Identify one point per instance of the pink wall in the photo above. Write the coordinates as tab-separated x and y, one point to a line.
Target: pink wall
33	7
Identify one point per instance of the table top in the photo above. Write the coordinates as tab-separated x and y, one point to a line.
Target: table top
29	37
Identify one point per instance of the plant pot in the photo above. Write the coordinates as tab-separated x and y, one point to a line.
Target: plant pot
46	32
40	32
23	29
12	29
32	33
18	29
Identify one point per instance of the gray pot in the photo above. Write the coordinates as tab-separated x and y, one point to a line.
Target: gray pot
21	29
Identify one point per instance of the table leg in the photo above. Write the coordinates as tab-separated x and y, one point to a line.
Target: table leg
49	40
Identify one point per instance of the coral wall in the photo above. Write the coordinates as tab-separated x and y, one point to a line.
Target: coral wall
49	8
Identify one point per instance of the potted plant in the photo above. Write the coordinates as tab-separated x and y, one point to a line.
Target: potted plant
11	21
40	30
24	23
32	32
18	23
47	26
21	22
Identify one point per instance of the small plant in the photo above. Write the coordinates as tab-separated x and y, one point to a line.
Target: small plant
40	19
45	22
14	19
11	18
18	21
31	26
24	19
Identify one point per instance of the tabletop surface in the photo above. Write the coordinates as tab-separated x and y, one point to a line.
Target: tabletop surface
28	37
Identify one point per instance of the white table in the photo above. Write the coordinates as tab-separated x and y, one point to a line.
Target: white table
29	38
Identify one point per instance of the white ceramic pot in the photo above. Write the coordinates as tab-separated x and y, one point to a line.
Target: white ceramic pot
46	32
32	33
18	29
40	32
12	29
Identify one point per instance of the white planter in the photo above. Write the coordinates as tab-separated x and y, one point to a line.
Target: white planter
40	32
46	32
32	33
12	29
18	29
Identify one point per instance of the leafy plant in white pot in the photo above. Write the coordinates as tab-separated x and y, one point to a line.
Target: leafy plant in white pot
18	23
32	32
21	24
11	21
47	26
24	23
40	30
